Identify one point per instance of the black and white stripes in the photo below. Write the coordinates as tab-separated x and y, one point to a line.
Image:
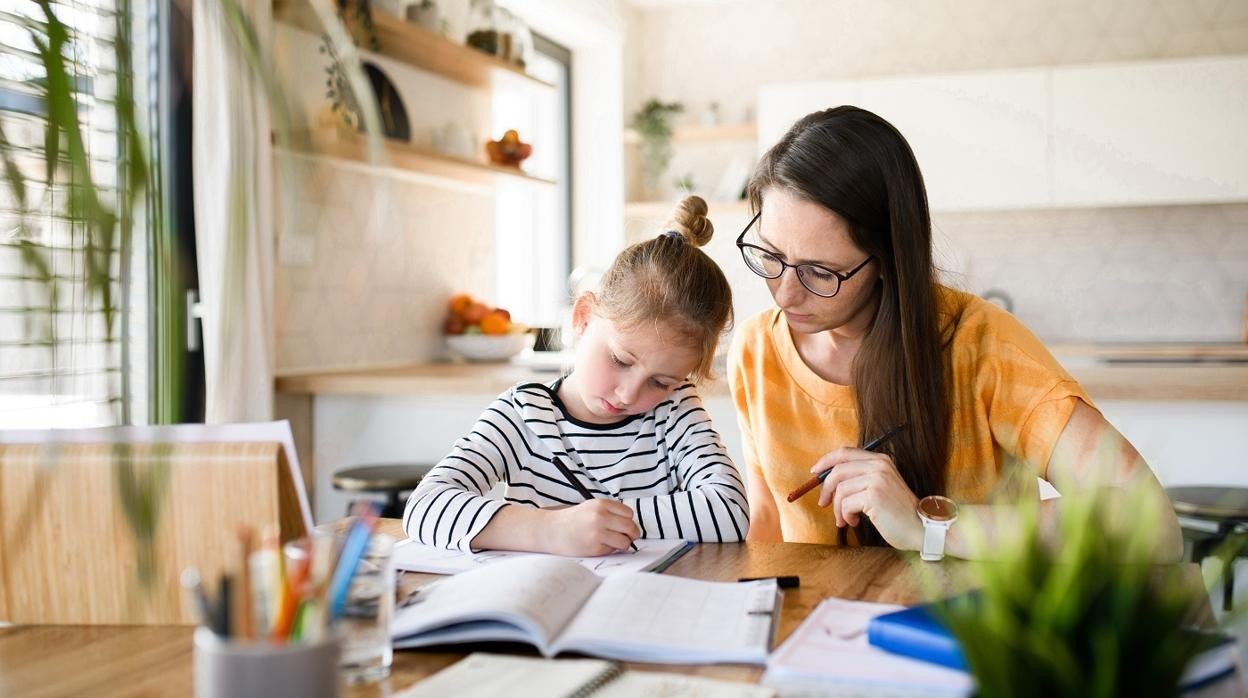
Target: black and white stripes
668	465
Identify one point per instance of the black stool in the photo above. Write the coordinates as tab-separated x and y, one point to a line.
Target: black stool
1224	507
391	480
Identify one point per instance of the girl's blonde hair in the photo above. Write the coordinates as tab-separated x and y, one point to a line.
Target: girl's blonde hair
668	279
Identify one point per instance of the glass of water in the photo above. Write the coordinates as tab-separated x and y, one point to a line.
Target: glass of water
364	628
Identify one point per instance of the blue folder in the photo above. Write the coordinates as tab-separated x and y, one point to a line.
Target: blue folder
917	633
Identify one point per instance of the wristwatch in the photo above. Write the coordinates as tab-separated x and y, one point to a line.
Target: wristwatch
938	514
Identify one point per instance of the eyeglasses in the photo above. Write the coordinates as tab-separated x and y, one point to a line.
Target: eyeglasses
821	281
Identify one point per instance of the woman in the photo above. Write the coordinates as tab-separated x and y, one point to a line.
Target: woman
863	339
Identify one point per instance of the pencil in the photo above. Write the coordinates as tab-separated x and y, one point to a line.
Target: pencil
576	485
871	445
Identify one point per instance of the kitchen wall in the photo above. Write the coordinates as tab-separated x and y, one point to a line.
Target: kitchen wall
1174	273
386	254
364	272
1148	273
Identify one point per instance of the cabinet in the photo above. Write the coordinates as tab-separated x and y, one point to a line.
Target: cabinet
1126	134
1151	133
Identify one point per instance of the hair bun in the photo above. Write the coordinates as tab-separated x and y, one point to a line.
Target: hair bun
691	222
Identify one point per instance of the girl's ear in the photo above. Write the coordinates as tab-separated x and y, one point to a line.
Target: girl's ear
582	310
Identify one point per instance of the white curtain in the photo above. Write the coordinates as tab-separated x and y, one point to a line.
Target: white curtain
233	216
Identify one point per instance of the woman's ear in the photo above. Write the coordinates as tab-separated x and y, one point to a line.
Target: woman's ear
582	310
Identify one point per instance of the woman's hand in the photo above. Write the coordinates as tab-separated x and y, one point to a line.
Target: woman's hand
591	528
867	483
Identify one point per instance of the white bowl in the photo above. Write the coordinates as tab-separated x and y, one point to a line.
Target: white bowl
488	347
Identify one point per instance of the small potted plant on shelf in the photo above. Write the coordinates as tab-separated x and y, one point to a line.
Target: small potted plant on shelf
653	124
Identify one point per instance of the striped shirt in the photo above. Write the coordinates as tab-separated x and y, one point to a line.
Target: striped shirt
668	465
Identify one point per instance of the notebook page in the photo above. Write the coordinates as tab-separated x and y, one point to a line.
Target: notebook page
658	618
415	557
481	675
537	594
648	684
830	650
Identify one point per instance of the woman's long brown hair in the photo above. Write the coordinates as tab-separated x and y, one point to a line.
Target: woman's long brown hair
857	164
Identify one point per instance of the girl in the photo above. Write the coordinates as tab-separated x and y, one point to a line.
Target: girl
626	423
863	339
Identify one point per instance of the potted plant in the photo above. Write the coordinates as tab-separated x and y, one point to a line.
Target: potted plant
653	123
1087	616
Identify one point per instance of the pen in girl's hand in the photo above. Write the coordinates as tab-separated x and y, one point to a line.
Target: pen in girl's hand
576	485
871	445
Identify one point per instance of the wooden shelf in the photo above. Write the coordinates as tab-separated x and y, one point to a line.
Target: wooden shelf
662	209
402	157
416	46
703	134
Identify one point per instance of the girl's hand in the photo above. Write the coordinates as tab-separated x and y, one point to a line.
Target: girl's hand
867	483
591	528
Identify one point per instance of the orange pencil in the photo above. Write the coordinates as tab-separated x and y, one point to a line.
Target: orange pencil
815	481
292	587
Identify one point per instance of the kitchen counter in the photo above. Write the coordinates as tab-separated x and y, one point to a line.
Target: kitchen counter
1140	376
1183	413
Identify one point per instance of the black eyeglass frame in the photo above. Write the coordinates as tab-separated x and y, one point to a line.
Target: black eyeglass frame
841	278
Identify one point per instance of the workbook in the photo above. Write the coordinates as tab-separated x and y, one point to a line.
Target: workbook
557	605
652	555
481	675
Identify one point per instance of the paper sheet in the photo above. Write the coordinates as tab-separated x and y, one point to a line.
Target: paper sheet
415	557
828	655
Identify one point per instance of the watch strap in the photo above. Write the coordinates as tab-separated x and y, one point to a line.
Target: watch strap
933	541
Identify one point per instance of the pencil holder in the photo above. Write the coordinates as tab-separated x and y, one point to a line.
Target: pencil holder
226	669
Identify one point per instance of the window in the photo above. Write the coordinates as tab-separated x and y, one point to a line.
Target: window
534	224
60	365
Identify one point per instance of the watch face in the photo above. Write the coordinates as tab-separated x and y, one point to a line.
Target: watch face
938	509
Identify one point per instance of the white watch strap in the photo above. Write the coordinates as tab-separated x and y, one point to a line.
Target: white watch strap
933	541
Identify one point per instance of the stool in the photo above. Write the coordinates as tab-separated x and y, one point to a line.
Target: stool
1224	507
391	480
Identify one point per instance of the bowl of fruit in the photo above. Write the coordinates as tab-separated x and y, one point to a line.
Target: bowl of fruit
476	331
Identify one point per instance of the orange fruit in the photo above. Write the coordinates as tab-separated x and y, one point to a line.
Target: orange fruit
474	312
453	324
460	302
495	323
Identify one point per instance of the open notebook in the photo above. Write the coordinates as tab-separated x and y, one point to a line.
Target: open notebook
652	555
557	605
481	675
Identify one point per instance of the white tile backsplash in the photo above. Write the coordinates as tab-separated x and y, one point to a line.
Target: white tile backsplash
387	255
1170	273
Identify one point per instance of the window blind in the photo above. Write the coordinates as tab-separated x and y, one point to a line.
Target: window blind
60	363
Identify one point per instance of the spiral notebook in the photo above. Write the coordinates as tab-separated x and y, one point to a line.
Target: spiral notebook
481	675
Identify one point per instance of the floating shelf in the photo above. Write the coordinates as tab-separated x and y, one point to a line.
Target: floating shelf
703	134
403	157
416	46
660	209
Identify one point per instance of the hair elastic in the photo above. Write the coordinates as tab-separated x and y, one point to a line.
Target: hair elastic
672	234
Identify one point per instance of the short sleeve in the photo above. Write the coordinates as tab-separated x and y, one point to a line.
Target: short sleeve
1027	395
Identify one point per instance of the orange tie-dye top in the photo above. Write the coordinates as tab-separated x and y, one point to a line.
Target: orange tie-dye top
1011	401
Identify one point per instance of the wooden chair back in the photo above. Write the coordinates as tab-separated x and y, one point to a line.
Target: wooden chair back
69	512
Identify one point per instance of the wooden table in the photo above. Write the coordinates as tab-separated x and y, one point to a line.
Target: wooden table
136	661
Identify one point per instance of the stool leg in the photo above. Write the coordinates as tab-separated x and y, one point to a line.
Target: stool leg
1228	584
394	506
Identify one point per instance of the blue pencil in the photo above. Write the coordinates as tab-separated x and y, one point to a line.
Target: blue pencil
353	549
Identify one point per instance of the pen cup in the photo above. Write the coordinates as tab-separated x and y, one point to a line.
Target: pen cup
225	669
364	629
